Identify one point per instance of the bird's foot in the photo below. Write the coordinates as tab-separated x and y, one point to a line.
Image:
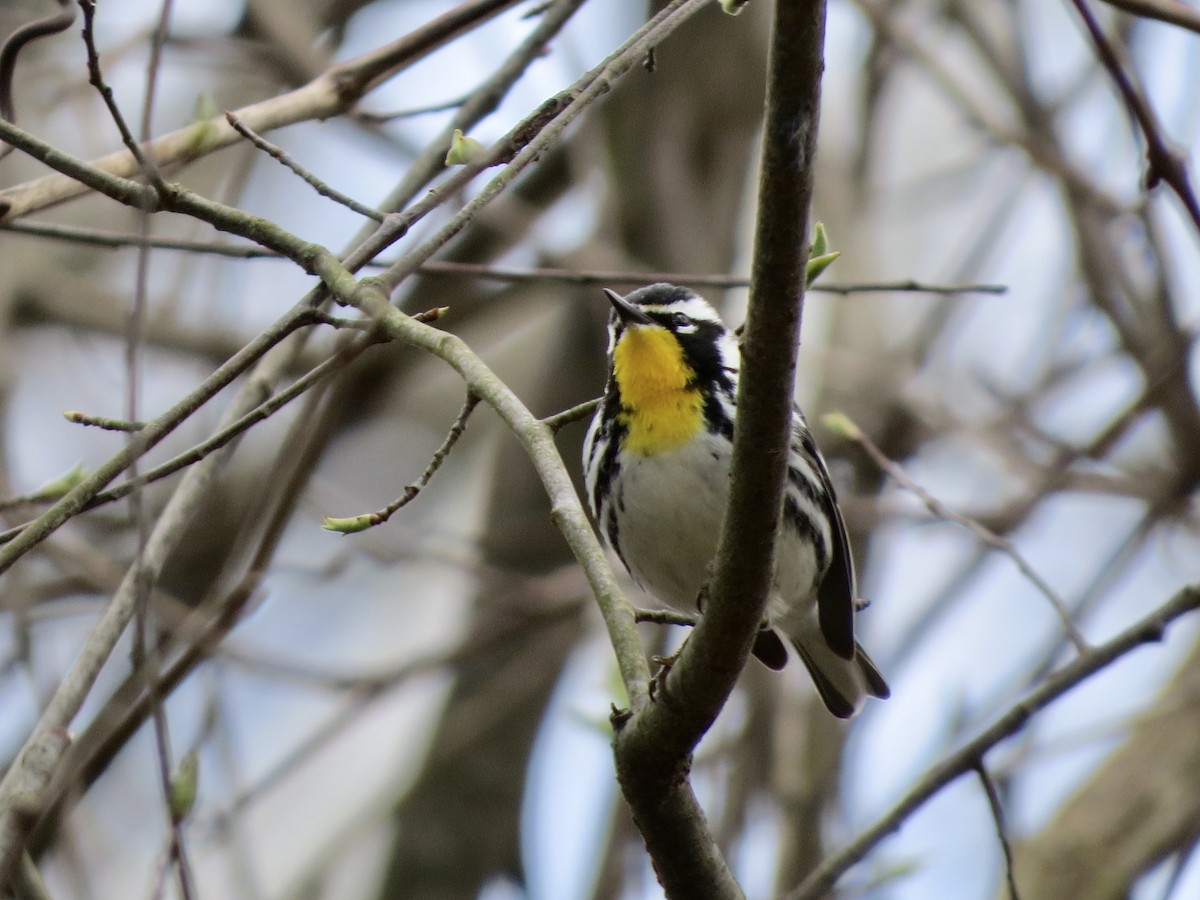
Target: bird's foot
658	684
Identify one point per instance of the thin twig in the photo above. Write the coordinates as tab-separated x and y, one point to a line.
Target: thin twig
102	422
1165	164
204	628
312	180
614	277
370	520
993	798
506	274
1051	478
906	285
560	420
146	652
162	866
846	428
431	161
374	118
664	617
526	143
144	163
1150	629
24	786
100	238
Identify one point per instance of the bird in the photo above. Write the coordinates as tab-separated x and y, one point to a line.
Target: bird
656	462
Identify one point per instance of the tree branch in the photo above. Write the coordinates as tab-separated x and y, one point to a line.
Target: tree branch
24	785
537	439
330	94
964	760
653	746
1141	804
1165	164
486	272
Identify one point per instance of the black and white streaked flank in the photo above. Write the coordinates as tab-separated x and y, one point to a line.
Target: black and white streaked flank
657	464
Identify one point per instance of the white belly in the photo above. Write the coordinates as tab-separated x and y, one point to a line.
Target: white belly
671	505
669	509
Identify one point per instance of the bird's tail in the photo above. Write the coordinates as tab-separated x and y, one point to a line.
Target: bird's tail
844	684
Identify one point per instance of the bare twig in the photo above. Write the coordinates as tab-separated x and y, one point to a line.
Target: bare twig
979	112
223	437
993	798
146	652
102	422
906	286
506	274
100	238
538	442
145	164
610	277
370	520
312	180
375	118
560	420
24	784
432	160
527	141
206	627
664	617
368	689
1165	164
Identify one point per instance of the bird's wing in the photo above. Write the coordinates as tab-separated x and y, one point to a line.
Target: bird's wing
835	594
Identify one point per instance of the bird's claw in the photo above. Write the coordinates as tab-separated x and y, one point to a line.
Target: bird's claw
658	684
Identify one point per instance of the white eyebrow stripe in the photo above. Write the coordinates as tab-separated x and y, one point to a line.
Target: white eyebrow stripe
693	307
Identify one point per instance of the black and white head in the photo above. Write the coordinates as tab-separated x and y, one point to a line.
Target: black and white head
677	309
661	316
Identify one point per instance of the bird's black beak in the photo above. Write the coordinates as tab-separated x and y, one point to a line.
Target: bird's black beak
628	313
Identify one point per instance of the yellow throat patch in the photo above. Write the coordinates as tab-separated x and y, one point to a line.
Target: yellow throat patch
657	406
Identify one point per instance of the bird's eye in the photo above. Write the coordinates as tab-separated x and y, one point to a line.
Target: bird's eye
682	324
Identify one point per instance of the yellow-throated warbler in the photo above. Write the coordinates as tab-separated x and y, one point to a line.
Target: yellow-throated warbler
657	461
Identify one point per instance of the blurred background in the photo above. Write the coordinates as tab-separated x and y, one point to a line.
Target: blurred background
420	710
